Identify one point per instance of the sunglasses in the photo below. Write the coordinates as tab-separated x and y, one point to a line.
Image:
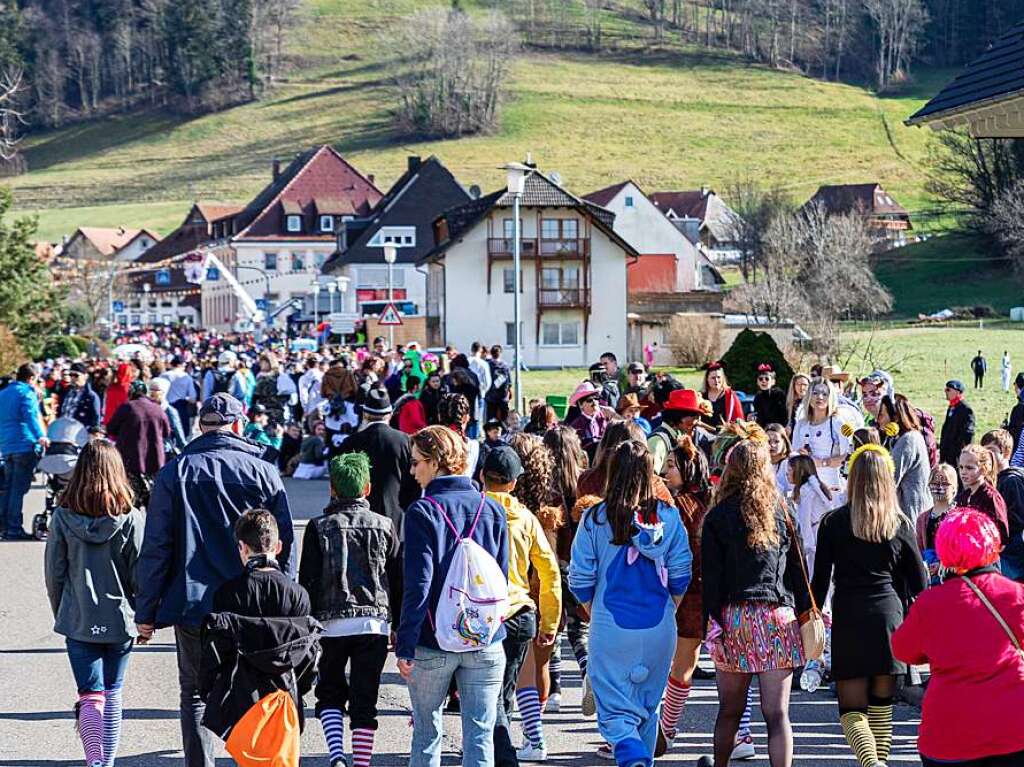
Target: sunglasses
588	401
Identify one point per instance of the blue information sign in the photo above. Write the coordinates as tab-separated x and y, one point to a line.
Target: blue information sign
119	306
212	273
163	277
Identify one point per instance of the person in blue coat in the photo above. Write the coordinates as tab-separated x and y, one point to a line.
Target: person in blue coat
189	548
630	567
21	433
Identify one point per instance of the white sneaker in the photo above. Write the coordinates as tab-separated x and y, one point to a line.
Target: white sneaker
554	704
588	704
744	748
532	753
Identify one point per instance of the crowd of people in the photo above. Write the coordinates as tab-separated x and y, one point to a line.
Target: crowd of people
826	528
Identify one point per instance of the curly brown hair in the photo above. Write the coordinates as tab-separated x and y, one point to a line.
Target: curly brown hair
570	462
443	446
534	486
748	474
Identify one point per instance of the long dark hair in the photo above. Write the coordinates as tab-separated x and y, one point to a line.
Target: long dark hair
616	433
629	490
570	461
693	469
99	486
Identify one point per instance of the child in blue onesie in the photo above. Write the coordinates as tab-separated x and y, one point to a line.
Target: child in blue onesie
630	567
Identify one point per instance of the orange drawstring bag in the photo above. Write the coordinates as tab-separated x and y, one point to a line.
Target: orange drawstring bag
268	734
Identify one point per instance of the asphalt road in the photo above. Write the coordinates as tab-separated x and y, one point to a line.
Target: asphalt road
37	694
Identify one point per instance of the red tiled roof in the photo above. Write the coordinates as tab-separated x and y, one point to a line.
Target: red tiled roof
109	241
329	206
211	211
320	173
604	196
687	204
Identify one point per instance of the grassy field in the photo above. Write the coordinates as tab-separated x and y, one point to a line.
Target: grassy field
670	116
920	359
944	272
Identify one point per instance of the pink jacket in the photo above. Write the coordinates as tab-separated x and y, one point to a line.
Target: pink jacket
976	693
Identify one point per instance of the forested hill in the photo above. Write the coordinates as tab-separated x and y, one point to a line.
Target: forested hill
134	107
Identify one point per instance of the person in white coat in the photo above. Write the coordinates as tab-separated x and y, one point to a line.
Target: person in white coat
812	501
1006	369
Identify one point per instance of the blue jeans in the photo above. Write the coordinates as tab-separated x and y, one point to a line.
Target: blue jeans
479	675
98	667
19	468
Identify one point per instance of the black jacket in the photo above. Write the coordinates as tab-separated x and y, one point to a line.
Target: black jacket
957	432
260	639
83	405
734	572
1015	423
770	407
346	555
392	486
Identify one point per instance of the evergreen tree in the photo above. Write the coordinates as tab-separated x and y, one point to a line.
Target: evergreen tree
194	54
29	301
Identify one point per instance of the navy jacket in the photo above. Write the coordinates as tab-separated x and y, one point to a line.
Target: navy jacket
189	548
429	548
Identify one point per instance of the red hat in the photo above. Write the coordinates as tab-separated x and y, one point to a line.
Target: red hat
683	400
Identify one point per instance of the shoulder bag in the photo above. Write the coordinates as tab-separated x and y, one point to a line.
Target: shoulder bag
995	614
812	623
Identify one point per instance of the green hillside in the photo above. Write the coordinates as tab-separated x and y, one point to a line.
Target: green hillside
671	116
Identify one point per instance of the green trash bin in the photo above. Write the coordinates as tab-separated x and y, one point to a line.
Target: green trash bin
559	403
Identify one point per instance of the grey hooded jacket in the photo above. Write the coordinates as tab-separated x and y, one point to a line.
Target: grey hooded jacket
90	575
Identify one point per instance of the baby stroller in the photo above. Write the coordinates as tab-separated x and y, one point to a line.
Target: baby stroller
67	438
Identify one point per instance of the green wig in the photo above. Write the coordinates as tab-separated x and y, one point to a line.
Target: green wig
350	473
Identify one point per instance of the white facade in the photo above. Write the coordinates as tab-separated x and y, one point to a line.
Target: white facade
567	337
374	277
156	309
640	223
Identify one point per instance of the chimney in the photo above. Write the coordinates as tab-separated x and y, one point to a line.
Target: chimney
277	167
529	160
414	163
370	177
342	236
705	190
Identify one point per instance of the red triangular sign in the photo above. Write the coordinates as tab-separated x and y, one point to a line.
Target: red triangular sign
389	316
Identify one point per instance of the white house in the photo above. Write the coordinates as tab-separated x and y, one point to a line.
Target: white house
573	300
705	219
669	262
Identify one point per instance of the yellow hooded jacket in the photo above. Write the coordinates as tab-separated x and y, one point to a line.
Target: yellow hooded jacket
528	545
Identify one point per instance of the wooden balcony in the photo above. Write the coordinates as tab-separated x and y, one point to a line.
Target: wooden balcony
501	247
563	298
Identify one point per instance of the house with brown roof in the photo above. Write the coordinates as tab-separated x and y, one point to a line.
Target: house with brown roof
277	244
706	220
889	221
573	271
162	295
101	243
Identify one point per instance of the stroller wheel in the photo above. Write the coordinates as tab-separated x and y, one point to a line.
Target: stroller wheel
39	527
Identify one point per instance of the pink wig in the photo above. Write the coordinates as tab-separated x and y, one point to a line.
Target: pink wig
967	539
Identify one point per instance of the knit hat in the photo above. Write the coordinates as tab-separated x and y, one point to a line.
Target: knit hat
966	540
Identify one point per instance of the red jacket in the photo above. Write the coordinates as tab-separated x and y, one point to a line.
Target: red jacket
976	693
412	417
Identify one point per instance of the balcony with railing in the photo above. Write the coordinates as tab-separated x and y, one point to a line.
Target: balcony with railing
501	247
563	298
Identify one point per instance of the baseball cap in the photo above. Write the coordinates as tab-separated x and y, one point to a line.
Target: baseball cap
956	386
79	367
503	464
636	367
227	357
220	410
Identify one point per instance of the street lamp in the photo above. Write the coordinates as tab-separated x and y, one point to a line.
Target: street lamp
331	287
516	173
316	307
390	256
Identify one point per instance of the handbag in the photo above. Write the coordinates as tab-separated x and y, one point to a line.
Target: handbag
812	622
995	614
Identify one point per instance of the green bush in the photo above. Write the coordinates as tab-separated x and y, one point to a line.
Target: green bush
748	351
60	346
81	342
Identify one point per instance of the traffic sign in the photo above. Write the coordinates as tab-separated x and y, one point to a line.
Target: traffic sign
118	306
212	274
262	304
163	277
343	322
389	316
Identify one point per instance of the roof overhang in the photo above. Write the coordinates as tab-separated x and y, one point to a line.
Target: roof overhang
1001	116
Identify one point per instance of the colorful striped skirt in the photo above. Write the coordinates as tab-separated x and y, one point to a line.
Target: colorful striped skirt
757	637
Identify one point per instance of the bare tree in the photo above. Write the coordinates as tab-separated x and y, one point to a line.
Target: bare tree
452	75
11	116
755	209
1006	224
897	25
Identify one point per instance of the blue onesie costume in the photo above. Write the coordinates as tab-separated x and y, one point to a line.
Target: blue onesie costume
632	622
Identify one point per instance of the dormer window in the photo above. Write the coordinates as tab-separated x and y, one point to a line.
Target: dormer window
327	224
293	223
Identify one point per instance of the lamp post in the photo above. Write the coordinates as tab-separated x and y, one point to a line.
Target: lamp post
390	255
316	308
515	173
331	287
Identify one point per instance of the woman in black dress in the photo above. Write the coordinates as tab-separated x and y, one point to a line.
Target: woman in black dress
869	548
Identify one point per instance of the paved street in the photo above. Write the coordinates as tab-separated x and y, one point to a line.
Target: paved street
37	693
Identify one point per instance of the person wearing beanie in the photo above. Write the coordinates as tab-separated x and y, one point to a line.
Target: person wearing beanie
976	691
349	595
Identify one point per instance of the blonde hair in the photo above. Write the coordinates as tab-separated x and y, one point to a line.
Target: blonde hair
986	461
791	391
948	473
833	400
442	446
749	475
874	508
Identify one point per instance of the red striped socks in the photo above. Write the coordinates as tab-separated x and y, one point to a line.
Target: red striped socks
90	725
676	694
362	747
